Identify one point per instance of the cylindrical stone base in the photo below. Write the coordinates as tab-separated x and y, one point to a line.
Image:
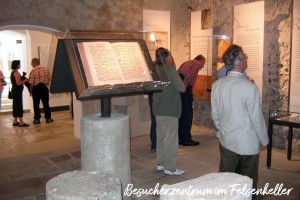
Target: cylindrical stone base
80	185
212	186
105	145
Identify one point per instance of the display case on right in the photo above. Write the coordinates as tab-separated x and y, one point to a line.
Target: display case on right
282	118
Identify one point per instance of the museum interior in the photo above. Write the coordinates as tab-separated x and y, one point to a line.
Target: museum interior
55	32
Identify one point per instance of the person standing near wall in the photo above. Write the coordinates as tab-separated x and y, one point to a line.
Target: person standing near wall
238	116
188	72
2	84
39	80
167	110
17	93
153	120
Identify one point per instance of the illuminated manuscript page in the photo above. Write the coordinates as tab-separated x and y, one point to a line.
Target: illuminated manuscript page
113	63
100	64
133	65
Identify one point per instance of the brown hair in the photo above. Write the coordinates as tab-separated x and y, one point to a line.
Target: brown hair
36	60
161	54
199	57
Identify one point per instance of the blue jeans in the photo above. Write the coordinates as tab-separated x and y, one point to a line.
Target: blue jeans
186	118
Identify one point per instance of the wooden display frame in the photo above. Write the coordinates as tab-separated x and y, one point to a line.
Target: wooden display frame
202	87
69	74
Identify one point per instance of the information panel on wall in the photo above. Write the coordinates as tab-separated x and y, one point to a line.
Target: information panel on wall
295	67
201	42
157	22
248	32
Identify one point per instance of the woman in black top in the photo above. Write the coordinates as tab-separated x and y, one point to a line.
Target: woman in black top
17	93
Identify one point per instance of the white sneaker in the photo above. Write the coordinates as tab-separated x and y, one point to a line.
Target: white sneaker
177	172
159	167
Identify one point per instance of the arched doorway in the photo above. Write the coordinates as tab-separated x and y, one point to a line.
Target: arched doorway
24	42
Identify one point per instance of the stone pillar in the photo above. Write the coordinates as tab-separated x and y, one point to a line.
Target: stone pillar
81	185
105	145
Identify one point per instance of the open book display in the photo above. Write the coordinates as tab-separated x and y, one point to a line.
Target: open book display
107	63
97	64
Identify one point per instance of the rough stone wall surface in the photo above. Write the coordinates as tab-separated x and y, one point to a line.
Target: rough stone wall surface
277	42
127	15
73	14
277	55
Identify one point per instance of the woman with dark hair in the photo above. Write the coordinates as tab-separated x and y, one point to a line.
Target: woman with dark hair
17	93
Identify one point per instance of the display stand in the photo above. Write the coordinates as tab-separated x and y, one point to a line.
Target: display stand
70	72
105	106
282	118
100	65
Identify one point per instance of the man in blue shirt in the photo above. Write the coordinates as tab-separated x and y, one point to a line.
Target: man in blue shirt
222	72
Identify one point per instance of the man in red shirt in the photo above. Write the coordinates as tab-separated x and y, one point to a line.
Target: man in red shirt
39	79
188	72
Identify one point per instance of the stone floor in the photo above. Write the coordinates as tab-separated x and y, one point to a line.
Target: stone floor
29	157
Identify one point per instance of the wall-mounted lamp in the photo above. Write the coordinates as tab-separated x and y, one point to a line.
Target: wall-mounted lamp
153	39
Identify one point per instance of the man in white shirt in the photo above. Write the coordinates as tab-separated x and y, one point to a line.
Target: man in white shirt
238	116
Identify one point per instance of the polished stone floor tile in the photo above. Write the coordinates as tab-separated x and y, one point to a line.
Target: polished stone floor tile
30	157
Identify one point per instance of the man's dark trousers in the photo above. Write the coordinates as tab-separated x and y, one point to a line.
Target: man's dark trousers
41	92
186	118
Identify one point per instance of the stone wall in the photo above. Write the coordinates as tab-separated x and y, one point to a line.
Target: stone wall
127	15
277	44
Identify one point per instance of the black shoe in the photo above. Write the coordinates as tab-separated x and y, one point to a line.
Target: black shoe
49	120
36	121
16	124
180	142
191	143
23	125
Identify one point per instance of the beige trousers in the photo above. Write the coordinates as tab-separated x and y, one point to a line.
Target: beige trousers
167	141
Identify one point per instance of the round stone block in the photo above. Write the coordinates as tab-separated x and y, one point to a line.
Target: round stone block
212	186
81	185
105	145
